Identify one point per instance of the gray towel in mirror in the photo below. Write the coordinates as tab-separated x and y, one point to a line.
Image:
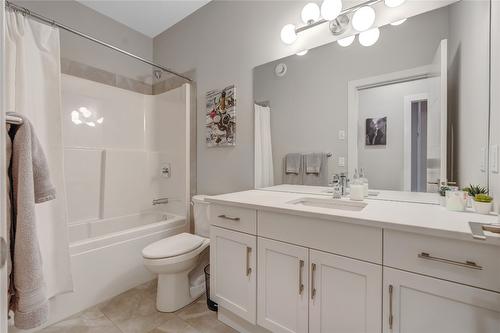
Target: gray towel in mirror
292	163
312	162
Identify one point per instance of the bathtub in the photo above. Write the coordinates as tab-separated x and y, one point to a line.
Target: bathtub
106	258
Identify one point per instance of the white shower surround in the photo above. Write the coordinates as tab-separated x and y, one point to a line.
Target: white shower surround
112	174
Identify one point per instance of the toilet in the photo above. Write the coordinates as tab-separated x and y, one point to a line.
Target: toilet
173	258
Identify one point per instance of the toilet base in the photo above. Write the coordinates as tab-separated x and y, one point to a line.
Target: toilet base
173	292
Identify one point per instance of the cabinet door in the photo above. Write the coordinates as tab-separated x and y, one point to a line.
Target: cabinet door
232	272
283	286
414	304
345	296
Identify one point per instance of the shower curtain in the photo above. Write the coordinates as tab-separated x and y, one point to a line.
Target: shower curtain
33	89
264	171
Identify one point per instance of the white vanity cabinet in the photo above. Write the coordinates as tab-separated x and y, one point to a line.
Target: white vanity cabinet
289	273
415	303
232	271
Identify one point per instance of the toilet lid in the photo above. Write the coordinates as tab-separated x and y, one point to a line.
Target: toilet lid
172	246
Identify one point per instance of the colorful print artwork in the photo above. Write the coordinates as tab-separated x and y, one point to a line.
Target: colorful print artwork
221	117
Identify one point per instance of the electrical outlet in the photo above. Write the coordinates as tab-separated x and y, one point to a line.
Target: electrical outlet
341	135
494	158
341	161
166	170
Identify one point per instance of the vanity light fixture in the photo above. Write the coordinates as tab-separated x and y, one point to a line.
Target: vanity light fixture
310	13
302	53
399	22
369	37
393	3
363	18
344	42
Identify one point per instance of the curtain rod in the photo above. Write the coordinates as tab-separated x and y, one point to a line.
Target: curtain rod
46	20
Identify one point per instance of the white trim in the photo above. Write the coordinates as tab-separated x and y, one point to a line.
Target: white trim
444	106
408	100
354	87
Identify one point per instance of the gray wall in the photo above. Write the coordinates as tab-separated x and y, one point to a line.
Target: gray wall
309	104
75	15
468	86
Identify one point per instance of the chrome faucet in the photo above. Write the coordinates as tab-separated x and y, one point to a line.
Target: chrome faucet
160	201
336	187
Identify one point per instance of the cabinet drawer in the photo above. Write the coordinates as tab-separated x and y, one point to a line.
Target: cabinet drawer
345	239
234	218
454	260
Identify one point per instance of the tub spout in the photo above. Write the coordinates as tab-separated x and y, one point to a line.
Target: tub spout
160	201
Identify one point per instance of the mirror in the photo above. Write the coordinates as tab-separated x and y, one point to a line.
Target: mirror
411	110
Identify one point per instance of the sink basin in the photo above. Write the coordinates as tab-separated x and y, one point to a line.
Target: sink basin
348	205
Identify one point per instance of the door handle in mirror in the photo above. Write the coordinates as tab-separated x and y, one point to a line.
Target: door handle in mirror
3	252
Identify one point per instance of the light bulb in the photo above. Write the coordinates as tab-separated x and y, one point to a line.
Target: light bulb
90	124
310	13
330	9
393	3
288	35
344	42
100	120
399	22
303	52
369	37
363	18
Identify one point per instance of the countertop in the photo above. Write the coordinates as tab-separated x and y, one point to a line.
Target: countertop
422	218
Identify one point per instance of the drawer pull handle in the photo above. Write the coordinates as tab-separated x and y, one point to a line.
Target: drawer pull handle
248	268
301	284
467	264
391	316
229	217
313	288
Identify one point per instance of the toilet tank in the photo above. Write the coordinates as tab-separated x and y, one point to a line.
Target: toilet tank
201	214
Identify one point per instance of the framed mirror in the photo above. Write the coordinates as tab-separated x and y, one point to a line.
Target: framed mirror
411	110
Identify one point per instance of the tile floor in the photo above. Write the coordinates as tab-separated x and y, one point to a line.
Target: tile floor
134	312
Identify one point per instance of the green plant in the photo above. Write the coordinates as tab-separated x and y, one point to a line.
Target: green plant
443	189
474	190
481	197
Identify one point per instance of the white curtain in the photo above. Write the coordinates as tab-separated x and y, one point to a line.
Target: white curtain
33	88
264	171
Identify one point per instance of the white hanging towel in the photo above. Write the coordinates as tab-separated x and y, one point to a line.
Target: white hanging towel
33	74
264	170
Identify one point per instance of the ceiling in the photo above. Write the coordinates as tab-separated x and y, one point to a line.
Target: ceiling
146	16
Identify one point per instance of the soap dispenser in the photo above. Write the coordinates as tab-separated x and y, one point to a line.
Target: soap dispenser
364	181
357	188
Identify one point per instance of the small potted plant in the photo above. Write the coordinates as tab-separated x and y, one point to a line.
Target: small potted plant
483	203
472	191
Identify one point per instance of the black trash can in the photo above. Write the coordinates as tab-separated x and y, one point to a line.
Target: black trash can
210	304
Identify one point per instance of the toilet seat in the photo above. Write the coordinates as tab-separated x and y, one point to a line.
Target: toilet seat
173	246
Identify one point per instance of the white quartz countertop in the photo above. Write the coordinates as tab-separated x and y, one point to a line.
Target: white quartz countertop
420	218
